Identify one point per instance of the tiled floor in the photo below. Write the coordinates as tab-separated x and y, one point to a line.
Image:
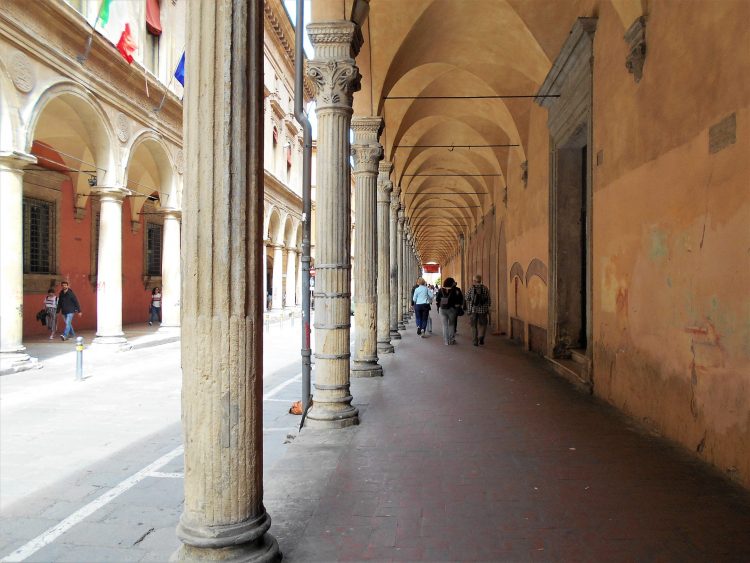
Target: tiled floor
482	454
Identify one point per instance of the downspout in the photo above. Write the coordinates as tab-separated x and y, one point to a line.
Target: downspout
299	113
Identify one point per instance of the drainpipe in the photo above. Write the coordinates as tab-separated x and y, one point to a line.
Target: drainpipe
299	113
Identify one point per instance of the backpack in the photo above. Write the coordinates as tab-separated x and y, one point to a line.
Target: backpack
480	297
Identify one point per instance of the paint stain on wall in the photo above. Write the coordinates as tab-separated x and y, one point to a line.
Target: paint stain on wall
659	249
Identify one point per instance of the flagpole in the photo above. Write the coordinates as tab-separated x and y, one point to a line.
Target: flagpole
164	97
84	57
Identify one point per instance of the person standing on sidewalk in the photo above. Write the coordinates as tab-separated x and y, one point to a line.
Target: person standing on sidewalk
155	308
478	303
50	306
421	299
67	304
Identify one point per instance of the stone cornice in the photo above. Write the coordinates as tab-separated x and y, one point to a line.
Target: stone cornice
283	35
279	188
53	34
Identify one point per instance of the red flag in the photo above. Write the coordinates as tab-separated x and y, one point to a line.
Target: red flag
126	45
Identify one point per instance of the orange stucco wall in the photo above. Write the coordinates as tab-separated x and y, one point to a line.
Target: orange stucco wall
74	247
670	340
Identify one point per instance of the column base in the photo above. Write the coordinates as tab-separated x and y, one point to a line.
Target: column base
263	550
385	347
402	325
14	362
119	342
323	419
395	335
366	369
163	329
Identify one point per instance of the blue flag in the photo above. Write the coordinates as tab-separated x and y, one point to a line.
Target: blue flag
179	74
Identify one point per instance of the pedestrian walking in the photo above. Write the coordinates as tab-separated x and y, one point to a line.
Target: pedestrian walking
460	307
421	299
50	308
478	303
155	307
450	300
67	304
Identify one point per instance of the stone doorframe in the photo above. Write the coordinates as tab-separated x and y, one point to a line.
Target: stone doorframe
570	127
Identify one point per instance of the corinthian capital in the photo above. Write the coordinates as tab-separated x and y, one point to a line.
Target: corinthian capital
366	158
335	82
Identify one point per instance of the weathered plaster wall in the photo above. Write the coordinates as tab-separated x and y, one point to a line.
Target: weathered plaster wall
671	236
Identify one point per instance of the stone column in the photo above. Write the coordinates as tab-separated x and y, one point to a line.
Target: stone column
277	278
335	78
393	251
222	328
109	270
265	274
400	260
170	271
367	152
12	355
408	280
384	258
291	276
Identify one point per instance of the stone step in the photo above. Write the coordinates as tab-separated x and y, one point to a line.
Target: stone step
578	355
573	371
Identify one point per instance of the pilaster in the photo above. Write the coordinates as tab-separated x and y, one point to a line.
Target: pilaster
12	355
367	152
222	320
335	78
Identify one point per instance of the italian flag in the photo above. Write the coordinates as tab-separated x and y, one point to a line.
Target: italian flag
103	15
126	45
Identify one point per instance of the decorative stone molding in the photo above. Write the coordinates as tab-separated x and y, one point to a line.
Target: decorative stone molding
366	158
179	161
122	127
335	82
334	34
22	73
635	36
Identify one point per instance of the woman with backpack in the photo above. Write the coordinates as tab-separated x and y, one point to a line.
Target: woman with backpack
449	299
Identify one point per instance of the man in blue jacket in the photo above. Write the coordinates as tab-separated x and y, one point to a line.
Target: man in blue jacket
67	304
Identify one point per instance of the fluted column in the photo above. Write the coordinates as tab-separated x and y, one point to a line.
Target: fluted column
335	78
384	258
277	277
366	152
109	271
400	260
291	276
408	281
222	328
394	304
170	271
12	355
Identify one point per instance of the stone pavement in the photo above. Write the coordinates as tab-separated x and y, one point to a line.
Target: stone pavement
463	454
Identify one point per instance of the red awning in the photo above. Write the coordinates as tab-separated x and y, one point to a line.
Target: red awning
153	17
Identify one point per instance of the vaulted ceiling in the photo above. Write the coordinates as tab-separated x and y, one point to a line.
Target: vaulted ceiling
419	52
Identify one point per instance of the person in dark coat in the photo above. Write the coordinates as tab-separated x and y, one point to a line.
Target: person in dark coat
67	304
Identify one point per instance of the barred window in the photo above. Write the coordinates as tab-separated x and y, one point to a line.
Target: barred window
38	236
153	249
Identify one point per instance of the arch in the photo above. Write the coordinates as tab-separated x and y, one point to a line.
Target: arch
516	270
288	231
149	172
274	226
536	268
90	115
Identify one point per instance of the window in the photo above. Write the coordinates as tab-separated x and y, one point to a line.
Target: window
153	249
38	236
152	54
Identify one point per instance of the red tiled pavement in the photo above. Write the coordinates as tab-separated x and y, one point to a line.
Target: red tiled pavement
482	454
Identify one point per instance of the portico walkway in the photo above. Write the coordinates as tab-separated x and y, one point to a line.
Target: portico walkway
470	454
